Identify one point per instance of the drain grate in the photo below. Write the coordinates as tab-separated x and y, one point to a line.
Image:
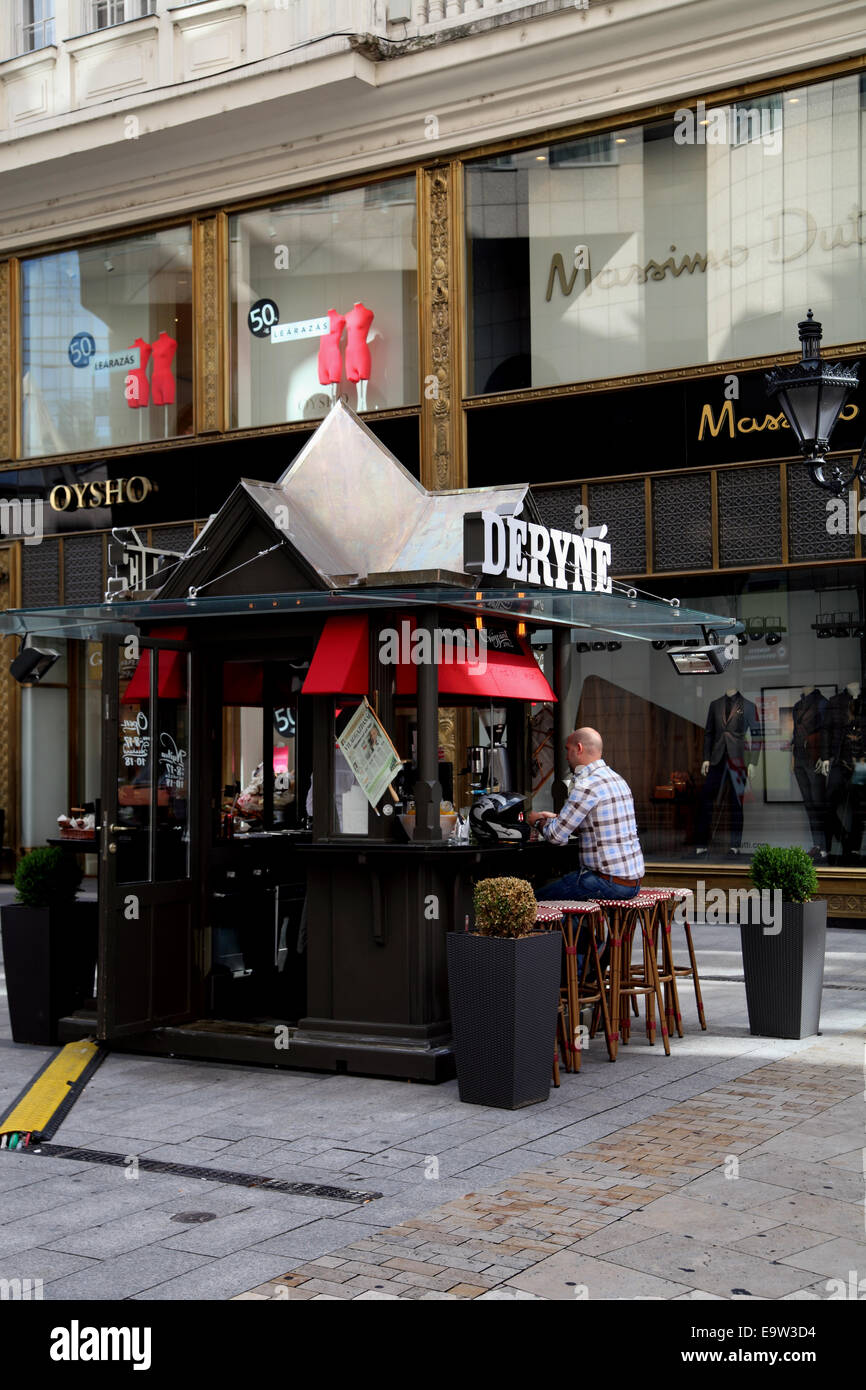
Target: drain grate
186	1170
194	1218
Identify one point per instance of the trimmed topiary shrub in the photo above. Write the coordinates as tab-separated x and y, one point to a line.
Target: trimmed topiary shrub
790	870
47	877
504	907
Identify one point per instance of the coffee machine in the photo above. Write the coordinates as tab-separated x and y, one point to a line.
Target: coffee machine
487	761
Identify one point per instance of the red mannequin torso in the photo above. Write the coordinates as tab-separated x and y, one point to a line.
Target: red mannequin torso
162	381
330	357
136	388
358	322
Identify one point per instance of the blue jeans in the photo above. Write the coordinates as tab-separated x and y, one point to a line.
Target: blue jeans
585	884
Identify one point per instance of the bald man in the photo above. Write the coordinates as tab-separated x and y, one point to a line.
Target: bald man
600	810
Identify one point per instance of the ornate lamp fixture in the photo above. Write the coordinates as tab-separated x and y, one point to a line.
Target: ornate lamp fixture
812	393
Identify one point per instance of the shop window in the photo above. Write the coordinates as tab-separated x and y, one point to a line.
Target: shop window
153	768
45	748
35	25
668	245
259	774
324	295
107	344
772	751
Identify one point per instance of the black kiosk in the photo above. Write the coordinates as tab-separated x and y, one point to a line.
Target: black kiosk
254	905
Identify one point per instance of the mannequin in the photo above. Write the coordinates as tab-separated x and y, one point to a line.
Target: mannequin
330	357
853	688
358	321
809	714
728	763
136	388
162	379
844	758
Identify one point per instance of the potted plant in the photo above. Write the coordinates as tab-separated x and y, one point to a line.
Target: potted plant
503	983
783	951
49	945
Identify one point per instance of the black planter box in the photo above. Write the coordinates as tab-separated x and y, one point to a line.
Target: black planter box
504	994
785	972
49	958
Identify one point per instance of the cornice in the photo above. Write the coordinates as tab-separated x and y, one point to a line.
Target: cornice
478	87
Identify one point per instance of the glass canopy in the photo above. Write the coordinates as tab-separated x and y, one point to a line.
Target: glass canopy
621	614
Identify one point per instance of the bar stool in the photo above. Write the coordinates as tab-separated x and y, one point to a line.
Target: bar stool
623	916
579	991
669	899
547	915
661	914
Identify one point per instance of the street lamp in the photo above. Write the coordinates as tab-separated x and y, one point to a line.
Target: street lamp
812	393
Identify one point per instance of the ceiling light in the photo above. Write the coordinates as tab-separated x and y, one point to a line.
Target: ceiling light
31	664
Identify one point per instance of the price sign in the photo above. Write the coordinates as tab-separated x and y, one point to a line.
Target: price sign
81	349
262	317
284	721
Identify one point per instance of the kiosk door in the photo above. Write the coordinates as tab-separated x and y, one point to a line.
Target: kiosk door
148	849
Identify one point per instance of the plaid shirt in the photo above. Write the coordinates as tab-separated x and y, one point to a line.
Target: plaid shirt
600	808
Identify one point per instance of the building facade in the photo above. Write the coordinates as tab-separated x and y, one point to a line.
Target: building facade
556	243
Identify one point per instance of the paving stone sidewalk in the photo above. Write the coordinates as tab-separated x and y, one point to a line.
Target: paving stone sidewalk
635	1153
751	1190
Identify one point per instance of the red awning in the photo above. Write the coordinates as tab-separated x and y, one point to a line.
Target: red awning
243	682
171	679
481	673
341	659
339	666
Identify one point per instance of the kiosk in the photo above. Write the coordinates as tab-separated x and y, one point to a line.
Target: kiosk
255	903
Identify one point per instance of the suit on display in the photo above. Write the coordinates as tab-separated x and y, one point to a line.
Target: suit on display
844	758
809	717
728	760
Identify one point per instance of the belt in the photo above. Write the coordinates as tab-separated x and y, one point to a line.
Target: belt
624	882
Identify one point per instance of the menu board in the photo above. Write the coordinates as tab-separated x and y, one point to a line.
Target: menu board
369	752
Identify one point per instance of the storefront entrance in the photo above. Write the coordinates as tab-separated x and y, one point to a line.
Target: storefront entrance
149	854
206	770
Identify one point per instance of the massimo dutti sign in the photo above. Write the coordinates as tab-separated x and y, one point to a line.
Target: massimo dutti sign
528	553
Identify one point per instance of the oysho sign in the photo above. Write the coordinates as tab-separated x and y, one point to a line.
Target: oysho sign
530	553
105	493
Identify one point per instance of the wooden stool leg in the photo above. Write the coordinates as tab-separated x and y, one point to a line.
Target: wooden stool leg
615	950
650	970
674	1016
625	983
653	979
602	1004
573	991
695	978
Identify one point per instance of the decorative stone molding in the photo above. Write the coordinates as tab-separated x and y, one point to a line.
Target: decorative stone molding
440	465
209	385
